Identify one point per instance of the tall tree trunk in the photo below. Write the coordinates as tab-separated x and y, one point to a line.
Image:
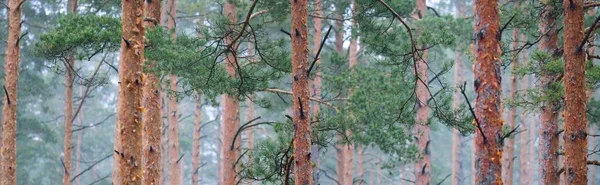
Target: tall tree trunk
68	140
153	114
575	99
509	142
349	148
164	139
129	126
196	139
302	132
78	140
339	48
423	166
231	107
488	108
548	151
9	110
174	168
316	82
524	139
457	138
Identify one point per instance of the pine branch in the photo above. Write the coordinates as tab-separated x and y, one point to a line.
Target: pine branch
319	51
462	91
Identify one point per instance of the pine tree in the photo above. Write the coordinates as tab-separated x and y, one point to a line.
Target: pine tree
68	140
129	107
488	109
152	116
316	83
303	168
174	169
509	143
574	92
423	166
9	109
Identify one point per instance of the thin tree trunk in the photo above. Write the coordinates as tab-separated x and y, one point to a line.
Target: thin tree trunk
231	107
339	48
349	147
68	139
316	82
303	169
575	98
524	148
592	174
488	108
174	169
78	140
457	138
509	142
548	152
196	139
129	126
164	137
423	166
9	110
152	114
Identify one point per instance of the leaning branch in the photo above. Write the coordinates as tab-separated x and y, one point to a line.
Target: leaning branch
462	91
90	167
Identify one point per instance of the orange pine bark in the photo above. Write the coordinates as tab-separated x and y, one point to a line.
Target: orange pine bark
548	146
316	80
196	139
9	110
575	98
152	114
423	166
68	139
303	168
128	155
231	106
488	108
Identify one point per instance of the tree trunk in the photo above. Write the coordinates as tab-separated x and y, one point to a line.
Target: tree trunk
302	132
152	114
575	99
548	151
339	48
196	139
457	138
78	140
164	139
316	82
9	110
488	108
360	162
524	139
68	140
423	166
174	169
509	142
349	147
231	107
129	126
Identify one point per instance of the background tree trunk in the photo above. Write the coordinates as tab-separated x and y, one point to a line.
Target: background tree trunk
174	167
196	139
9	102
152	114
316	82
575	98
303	167
231	106
129	126
457	138
509	142
488	108
68	139
78	140
423	166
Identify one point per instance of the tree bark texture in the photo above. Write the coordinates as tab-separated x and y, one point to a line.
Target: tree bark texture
152	114
303	167
196	139
129	107
575	98
231	106
423	165
488	108
9	102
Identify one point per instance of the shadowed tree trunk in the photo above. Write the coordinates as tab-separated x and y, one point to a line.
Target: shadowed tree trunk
316	81
68	139
548	146
303	167
423	166
575	98
9	109
128	155
152	114
488	108
231	106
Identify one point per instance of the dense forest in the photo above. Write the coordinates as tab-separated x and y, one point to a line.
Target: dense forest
305	92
